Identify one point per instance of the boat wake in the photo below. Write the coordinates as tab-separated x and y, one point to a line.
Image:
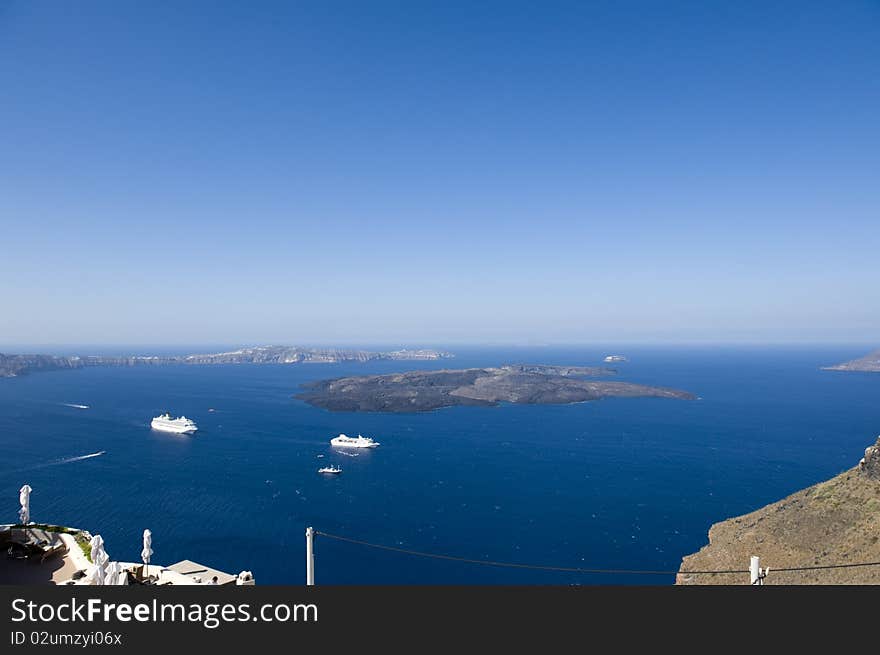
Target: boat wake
75	406
56	462
342	452
68	460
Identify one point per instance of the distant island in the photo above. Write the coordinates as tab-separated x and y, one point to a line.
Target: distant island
420	391
831	523
869	363
15	365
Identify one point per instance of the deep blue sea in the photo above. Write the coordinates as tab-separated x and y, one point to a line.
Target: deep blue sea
623	483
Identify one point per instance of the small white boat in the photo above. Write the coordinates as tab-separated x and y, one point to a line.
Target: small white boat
333	470
344	441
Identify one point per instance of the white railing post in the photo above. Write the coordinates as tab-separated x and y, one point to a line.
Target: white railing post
755	571
310	557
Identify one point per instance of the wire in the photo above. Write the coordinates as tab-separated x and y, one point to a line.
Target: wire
826	566
515	565
566	569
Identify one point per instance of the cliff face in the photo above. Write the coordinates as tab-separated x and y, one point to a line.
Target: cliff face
296	355
833	522
869	466
14	365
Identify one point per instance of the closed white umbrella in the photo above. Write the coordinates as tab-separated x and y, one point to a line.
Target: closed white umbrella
24	497
116	575
147	552
100	558
95	576
99	555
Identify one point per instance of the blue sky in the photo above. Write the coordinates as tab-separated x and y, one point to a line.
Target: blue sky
418	173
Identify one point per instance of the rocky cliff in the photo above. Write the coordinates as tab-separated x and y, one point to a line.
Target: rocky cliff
831	523
869	363
14	365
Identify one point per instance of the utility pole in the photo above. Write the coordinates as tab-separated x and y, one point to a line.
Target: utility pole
310	557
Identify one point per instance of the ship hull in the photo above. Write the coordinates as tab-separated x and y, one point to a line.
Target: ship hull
161	427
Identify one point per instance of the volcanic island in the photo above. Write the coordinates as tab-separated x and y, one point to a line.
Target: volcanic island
422	391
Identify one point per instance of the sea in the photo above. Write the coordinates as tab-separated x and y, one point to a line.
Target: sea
616	484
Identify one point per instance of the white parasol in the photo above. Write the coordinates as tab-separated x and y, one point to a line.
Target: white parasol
100	558
24	497
147	552
116	575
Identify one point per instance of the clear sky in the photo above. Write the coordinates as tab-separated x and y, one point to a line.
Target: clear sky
420	173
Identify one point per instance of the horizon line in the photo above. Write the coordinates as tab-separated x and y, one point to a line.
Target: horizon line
206	347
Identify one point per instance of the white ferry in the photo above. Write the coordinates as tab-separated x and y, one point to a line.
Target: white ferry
180	425
343	441
333	470
615	358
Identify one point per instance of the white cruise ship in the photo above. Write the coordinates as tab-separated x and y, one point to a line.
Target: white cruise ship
343	441
181	425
